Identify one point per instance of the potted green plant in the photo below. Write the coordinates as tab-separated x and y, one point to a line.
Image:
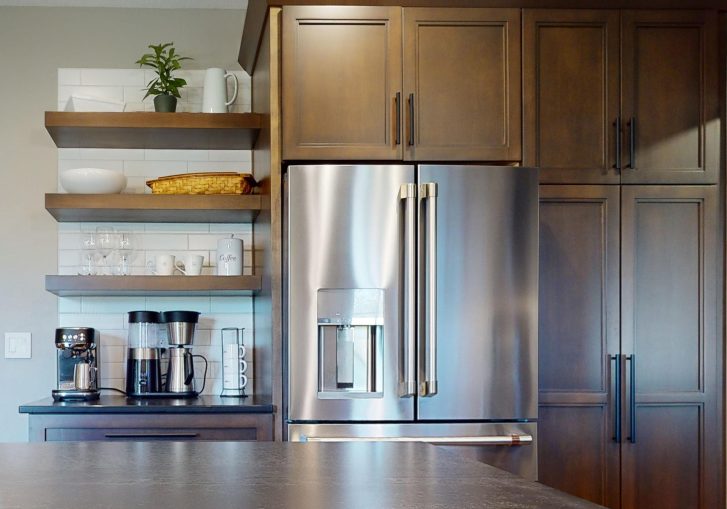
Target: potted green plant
165	87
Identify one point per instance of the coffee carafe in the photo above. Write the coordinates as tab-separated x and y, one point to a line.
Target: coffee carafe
143	363
180	375
77	369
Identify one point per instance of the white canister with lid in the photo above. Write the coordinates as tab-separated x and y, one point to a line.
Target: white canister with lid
229	256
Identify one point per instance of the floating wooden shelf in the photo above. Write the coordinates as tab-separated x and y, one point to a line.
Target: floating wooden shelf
154	208
205	131
73	286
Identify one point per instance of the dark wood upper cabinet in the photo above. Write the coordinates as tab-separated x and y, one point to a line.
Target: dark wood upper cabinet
670	96
578	333
635	104
462	84
571	94
672	448
340	78
342	84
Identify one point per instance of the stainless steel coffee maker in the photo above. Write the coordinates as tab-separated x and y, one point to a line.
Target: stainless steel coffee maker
180	375
77	368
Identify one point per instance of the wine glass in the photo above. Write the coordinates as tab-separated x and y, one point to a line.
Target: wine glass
88	255
125	246
105	245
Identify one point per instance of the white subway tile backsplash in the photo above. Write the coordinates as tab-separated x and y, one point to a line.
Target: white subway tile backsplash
166	242
154	168
199	304
94	305
230	155
69	153
177	227
176	155
231	305
69	304
211	166
112	93
113	77
69	76
109	314
97	321
113	154
67	164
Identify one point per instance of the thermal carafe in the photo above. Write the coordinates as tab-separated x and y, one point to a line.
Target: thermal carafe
143	363
180	327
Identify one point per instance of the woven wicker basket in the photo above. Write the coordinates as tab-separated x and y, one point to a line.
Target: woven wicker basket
203	183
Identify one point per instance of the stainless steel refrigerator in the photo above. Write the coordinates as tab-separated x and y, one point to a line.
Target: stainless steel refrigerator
411	307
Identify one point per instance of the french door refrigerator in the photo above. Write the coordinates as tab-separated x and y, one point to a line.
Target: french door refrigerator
411	307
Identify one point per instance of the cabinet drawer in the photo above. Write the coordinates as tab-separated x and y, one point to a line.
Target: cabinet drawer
149	434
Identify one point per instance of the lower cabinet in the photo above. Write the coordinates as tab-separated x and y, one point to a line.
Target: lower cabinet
150	427
630	361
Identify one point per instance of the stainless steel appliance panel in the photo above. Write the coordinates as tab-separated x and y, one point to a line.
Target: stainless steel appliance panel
486	293
344	232
510	446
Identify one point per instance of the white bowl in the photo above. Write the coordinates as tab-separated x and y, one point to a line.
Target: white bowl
93	181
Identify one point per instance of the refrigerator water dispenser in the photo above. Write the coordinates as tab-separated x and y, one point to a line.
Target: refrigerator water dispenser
350	343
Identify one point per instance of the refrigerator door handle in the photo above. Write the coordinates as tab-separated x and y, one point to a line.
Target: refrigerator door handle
407	379
474	440
428	387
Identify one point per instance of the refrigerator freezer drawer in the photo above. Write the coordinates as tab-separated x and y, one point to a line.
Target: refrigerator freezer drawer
509	446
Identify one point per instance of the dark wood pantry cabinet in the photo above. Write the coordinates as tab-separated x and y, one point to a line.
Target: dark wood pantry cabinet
629	379
621	96
350	90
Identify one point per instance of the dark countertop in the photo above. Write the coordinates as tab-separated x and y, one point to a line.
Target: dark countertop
117	404
270	475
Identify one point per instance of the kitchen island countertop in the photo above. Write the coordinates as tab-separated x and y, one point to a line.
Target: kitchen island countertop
260	475
117	404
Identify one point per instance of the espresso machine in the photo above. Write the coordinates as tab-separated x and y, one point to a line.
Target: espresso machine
180	375
77	368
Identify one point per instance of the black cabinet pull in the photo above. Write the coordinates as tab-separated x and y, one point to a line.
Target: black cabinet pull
617	399
617	133
632	143
632	399
411	119
397	102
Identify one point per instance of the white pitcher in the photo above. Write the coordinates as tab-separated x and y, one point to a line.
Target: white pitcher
214	99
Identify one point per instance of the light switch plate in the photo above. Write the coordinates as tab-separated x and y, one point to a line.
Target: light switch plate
17	345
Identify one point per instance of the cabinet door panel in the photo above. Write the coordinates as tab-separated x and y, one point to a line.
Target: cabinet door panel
463	68
670	88
341	73
571	94
578	331
669	324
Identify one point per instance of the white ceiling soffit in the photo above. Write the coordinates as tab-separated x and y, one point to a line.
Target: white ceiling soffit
151	4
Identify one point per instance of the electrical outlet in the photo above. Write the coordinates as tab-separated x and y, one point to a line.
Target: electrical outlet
17	345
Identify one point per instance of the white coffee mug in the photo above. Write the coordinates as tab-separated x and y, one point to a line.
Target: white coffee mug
214	98
164	265
191	266
229	257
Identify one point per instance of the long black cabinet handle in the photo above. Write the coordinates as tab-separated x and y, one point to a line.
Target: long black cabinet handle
397	102
411	119
632	399
617	399
632	143
617	134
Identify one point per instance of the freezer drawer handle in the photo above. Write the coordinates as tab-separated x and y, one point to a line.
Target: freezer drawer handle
407	379
479	440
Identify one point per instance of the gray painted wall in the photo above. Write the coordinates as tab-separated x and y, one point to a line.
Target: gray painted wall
34	43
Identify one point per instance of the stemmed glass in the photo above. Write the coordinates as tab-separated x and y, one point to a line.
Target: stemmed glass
88	255
105	244
125	246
